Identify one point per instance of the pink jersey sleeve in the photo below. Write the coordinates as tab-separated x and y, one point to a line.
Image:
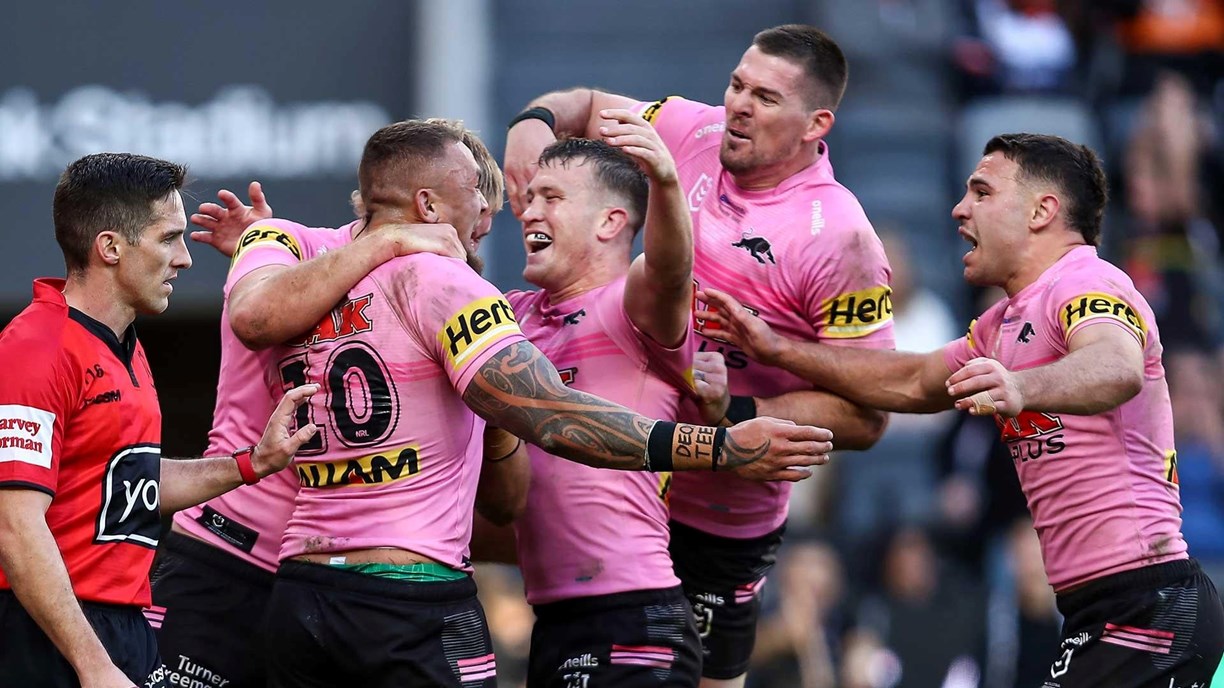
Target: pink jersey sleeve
460	317
844	277
1098	295
978	341
264	243
686	126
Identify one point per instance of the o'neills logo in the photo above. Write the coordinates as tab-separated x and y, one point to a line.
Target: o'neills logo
1096	306
267	234
857	313
475	327
377	469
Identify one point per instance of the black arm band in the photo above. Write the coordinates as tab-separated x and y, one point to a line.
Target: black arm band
508	455
541	113
741	409
659	446
720	436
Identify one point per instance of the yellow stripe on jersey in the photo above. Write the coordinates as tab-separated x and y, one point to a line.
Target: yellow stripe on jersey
387	466
267	234
856	313
1096	306
476	326
652	110
969	335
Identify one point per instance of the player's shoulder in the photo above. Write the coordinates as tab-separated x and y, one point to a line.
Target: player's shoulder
520	299
274	232
1085	271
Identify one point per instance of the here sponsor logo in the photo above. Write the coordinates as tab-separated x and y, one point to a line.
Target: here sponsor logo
269	235
475	327
367	471
25	434
857	313
1097	306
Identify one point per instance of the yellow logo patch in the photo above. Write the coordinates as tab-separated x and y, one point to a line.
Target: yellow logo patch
267	234
376	469
651	112
969	334
856	313
475	327
1097	306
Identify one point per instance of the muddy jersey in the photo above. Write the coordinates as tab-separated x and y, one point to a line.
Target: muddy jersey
80	421
248	522
802	256
588	531
398	454
1103	488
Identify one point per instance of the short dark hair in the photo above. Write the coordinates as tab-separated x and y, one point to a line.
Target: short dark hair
109	191
403	151
615	171
1073	168
819	55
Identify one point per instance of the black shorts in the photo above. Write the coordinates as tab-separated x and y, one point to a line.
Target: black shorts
208	610
332	628
641	639
1156	626
723	578
29	659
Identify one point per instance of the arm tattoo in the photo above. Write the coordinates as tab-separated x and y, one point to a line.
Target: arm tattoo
519	390
735	454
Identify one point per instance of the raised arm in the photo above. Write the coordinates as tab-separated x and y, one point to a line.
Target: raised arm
187	482
32	563
854	426
575	113
519	390
884	380
1102	370
276	303
659	290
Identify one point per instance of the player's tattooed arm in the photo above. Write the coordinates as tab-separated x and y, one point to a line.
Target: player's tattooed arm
520	390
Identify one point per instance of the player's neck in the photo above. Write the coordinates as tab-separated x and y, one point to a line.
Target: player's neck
593	276
96	297
1035	264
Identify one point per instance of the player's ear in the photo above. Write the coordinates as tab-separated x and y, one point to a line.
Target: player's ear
107	246
1045	210
427	205
612	222
819	123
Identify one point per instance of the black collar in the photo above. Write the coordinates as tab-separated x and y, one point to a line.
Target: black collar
123	350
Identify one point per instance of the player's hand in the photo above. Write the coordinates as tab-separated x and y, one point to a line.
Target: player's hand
765	448
726	319
279	443
710	383
107	677
524	143
439	238
223	224
634	135
984	387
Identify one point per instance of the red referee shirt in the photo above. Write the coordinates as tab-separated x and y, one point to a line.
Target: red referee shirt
79	420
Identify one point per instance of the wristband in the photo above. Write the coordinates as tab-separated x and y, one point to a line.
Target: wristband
541	113
720	437
741	409
659	447
510	453
245	468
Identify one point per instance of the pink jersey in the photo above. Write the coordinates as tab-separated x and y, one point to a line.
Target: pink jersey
588	531
399	452
802	256
1103	488
248	522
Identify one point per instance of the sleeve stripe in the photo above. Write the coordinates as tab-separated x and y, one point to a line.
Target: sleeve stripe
25	485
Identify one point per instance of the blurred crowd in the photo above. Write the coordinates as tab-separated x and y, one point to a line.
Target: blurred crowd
914	564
